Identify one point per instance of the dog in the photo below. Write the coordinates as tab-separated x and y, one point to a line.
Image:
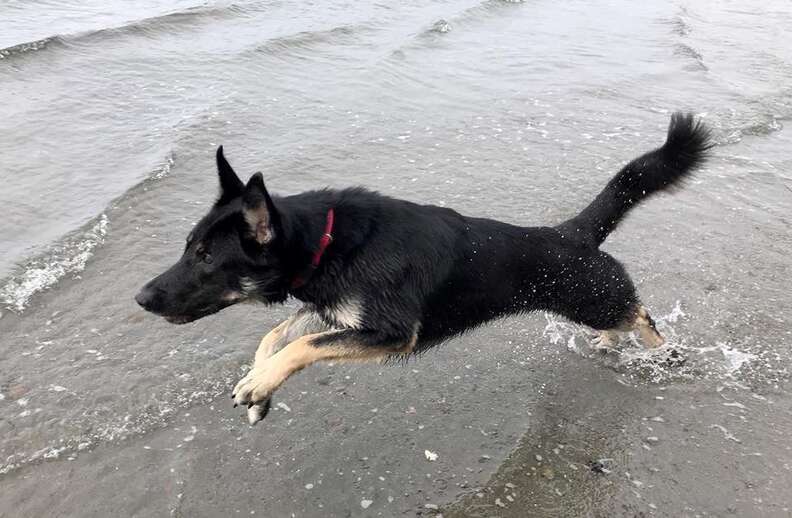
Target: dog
381	277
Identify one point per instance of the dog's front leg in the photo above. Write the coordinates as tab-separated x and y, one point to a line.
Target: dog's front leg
270	344
257	387
272	341
305	321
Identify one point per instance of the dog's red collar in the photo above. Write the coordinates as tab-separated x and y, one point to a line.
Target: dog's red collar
324	242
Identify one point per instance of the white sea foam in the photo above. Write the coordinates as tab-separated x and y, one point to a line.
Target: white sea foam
726	433
66	258
164	169
120	427
736	359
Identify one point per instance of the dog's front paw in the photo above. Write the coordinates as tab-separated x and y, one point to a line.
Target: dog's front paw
256	387
255	391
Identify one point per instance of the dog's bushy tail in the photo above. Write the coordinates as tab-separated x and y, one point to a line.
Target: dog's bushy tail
685	150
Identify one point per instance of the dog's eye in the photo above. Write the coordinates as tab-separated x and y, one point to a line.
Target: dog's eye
203	255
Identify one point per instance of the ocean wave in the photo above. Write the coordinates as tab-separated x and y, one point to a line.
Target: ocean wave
678	26
144	26
306	39
67	257
163	169
485	9
466	17
173	20
684	50
760	125
764	127
439	27
31	46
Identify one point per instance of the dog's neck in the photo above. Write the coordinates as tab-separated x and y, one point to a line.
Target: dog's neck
325	240
304	218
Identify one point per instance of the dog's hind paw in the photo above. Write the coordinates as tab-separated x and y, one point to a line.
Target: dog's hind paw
605	340
674	358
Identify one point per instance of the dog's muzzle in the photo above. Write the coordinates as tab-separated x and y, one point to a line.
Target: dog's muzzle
150	299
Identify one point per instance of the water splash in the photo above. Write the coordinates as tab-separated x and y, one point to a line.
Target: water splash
676	359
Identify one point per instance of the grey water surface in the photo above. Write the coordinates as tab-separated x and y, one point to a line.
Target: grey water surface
110	113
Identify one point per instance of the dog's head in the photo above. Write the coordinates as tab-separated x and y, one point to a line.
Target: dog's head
234	253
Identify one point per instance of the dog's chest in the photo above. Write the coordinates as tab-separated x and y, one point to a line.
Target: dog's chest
344	314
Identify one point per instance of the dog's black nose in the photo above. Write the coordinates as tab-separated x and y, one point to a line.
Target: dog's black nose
149	298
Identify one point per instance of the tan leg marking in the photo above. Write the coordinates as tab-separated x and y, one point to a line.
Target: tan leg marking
265	377
647	331
304	322
270	342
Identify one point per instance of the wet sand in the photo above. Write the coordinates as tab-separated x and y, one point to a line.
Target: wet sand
514	436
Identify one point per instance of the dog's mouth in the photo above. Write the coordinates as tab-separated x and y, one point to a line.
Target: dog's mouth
203	312
181	319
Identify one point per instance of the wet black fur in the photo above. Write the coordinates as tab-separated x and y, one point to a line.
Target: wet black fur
417	266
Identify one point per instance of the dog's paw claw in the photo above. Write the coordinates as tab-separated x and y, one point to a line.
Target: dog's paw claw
256	387
257	412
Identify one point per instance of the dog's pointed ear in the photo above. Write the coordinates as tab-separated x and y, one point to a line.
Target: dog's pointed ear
230	184
259	211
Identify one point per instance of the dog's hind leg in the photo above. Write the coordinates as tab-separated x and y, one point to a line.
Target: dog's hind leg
640	322
605	299
257	387
606	338
646	328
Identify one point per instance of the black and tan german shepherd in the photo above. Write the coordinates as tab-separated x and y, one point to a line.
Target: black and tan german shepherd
381	277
